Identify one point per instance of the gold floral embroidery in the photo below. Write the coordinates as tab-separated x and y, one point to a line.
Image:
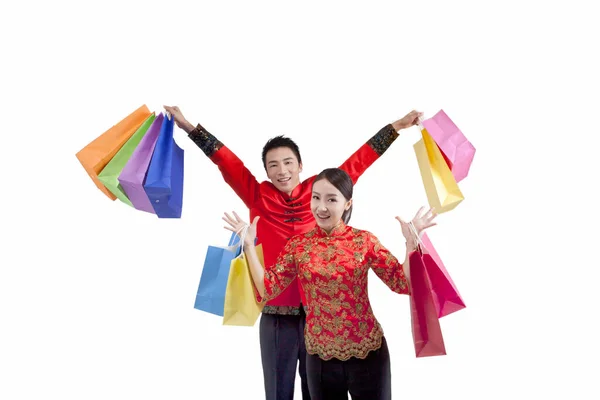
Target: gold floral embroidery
359	308
358	241
377	247
336	305
329	253
330	269
390	259
362	326
317	311
333	271
304	258
358	256
348	348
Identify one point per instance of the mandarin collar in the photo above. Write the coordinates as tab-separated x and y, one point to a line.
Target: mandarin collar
337	230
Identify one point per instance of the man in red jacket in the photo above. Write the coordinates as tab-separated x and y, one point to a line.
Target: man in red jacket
283	203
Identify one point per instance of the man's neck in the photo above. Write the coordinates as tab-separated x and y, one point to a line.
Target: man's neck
291	191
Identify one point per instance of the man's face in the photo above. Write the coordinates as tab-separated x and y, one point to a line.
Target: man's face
283	168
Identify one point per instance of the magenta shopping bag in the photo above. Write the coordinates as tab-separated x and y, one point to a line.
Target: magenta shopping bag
455	147
133	176
445	294
428	339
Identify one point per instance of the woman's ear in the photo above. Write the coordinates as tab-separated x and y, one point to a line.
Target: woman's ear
348	205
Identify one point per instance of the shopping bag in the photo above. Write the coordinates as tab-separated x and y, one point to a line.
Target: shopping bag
456	149
164	180
210	296
241	307
441	188
446	297
133	176
427	332
445	294
101	150
109	176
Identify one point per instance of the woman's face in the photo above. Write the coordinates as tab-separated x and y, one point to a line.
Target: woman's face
328	204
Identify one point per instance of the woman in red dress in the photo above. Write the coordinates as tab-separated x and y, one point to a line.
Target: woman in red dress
347	351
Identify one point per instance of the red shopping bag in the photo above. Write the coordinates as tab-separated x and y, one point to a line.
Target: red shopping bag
426	330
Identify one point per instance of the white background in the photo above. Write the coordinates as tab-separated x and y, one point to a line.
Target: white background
96	298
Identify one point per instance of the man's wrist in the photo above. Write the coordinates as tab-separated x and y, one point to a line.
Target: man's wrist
397	126
187	127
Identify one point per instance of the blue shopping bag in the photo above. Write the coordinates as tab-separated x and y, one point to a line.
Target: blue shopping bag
215	273
164	179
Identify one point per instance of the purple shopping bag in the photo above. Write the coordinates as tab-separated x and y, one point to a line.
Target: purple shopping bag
455	147
133	176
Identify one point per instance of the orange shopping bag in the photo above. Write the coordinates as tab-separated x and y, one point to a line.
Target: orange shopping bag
101	150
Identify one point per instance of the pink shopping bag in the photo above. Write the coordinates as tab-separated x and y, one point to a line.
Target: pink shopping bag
455	147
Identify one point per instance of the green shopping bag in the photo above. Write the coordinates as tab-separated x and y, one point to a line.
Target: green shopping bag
109	176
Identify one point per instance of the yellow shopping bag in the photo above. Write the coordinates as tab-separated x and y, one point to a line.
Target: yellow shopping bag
443	192
241	307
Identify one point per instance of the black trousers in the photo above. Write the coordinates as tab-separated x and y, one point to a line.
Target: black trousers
333	379
281	347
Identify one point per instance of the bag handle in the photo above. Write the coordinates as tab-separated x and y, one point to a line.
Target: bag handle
232	239
241	233
415	234
420	123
